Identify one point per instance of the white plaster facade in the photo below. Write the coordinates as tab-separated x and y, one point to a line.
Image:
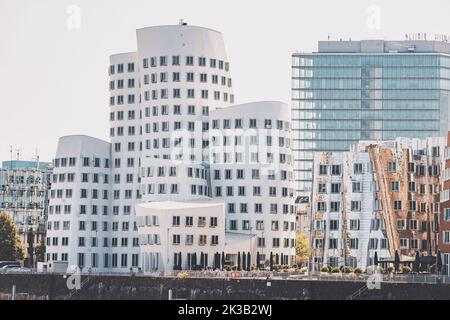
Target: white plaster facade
164	99
79	217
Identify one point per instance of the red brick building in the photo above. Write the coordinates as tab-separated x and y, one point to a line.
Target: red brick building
444	219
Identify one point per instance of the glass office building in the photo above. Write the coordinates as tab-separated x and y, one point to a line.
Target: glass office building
366	90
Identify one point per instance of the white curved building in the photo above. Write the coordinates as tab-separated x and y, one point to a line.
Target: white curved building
164	100
184	74
252	171
79	217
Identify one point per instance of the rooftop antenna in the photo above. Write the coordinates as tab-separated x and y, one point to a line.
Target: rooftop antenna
182	23
11	155
37	157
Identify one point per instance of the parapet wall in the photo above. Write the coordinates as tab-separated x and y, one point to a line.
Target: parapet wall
53	287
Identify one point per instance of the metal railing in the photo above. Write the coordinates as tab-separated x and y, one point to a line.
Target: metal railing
275	275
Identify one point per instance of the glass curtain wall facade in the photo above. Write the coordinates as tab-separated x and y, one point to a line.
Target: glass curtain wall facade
339	99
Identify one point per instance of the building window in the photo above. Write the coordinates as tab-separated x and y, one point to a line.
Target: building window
358	168
392	166
321	206
356	187
356	206
322	169
176	239
189	61
176	221
395	186
397	205
334	224
335	170
373	243
447	214
446	237
355	224
404	243
335	206
335	188
333	243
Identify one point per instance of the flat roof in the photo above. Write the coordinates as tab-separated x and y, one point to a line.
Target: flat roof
362	47
173	205
27	165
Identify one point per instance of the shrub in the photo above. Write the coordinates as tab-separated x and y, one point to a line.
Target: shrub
406	269
358	270
390	269
347	269
183	275
335	270
276	267
380	269
325	269
304	269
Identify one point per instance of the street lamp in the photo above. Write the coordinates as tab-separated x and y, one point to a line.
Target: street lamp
167	249
262	250
250	245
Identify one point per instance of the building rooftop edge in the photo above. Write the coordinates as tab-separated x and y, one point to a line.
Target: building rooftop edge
177	25
82	136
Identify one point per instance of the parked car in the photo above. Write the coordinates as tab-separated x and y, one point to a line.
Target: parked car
6	267
18	270
4	263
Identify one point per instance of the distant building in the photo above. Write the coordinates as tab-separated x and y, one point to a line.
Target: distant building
303	216
24	196
376	198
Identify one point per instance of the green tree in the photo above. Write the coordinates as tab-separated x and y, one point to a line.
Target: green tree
11	249
302	249
40	250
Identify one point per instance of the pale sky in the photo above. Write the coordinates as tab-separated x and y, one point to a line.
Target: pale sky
54	81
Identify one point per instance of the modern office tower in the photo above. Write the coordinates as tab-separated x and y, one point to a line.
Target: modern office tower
366	90
24	196
79	228
251	170
378	198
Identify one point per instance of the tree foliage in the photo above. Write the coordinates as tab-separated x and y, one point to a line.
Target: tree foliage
40	251
11	248
302	249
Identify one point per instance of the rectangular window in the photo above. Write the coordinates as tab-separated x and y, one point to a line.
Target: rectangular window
392	166
335	170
